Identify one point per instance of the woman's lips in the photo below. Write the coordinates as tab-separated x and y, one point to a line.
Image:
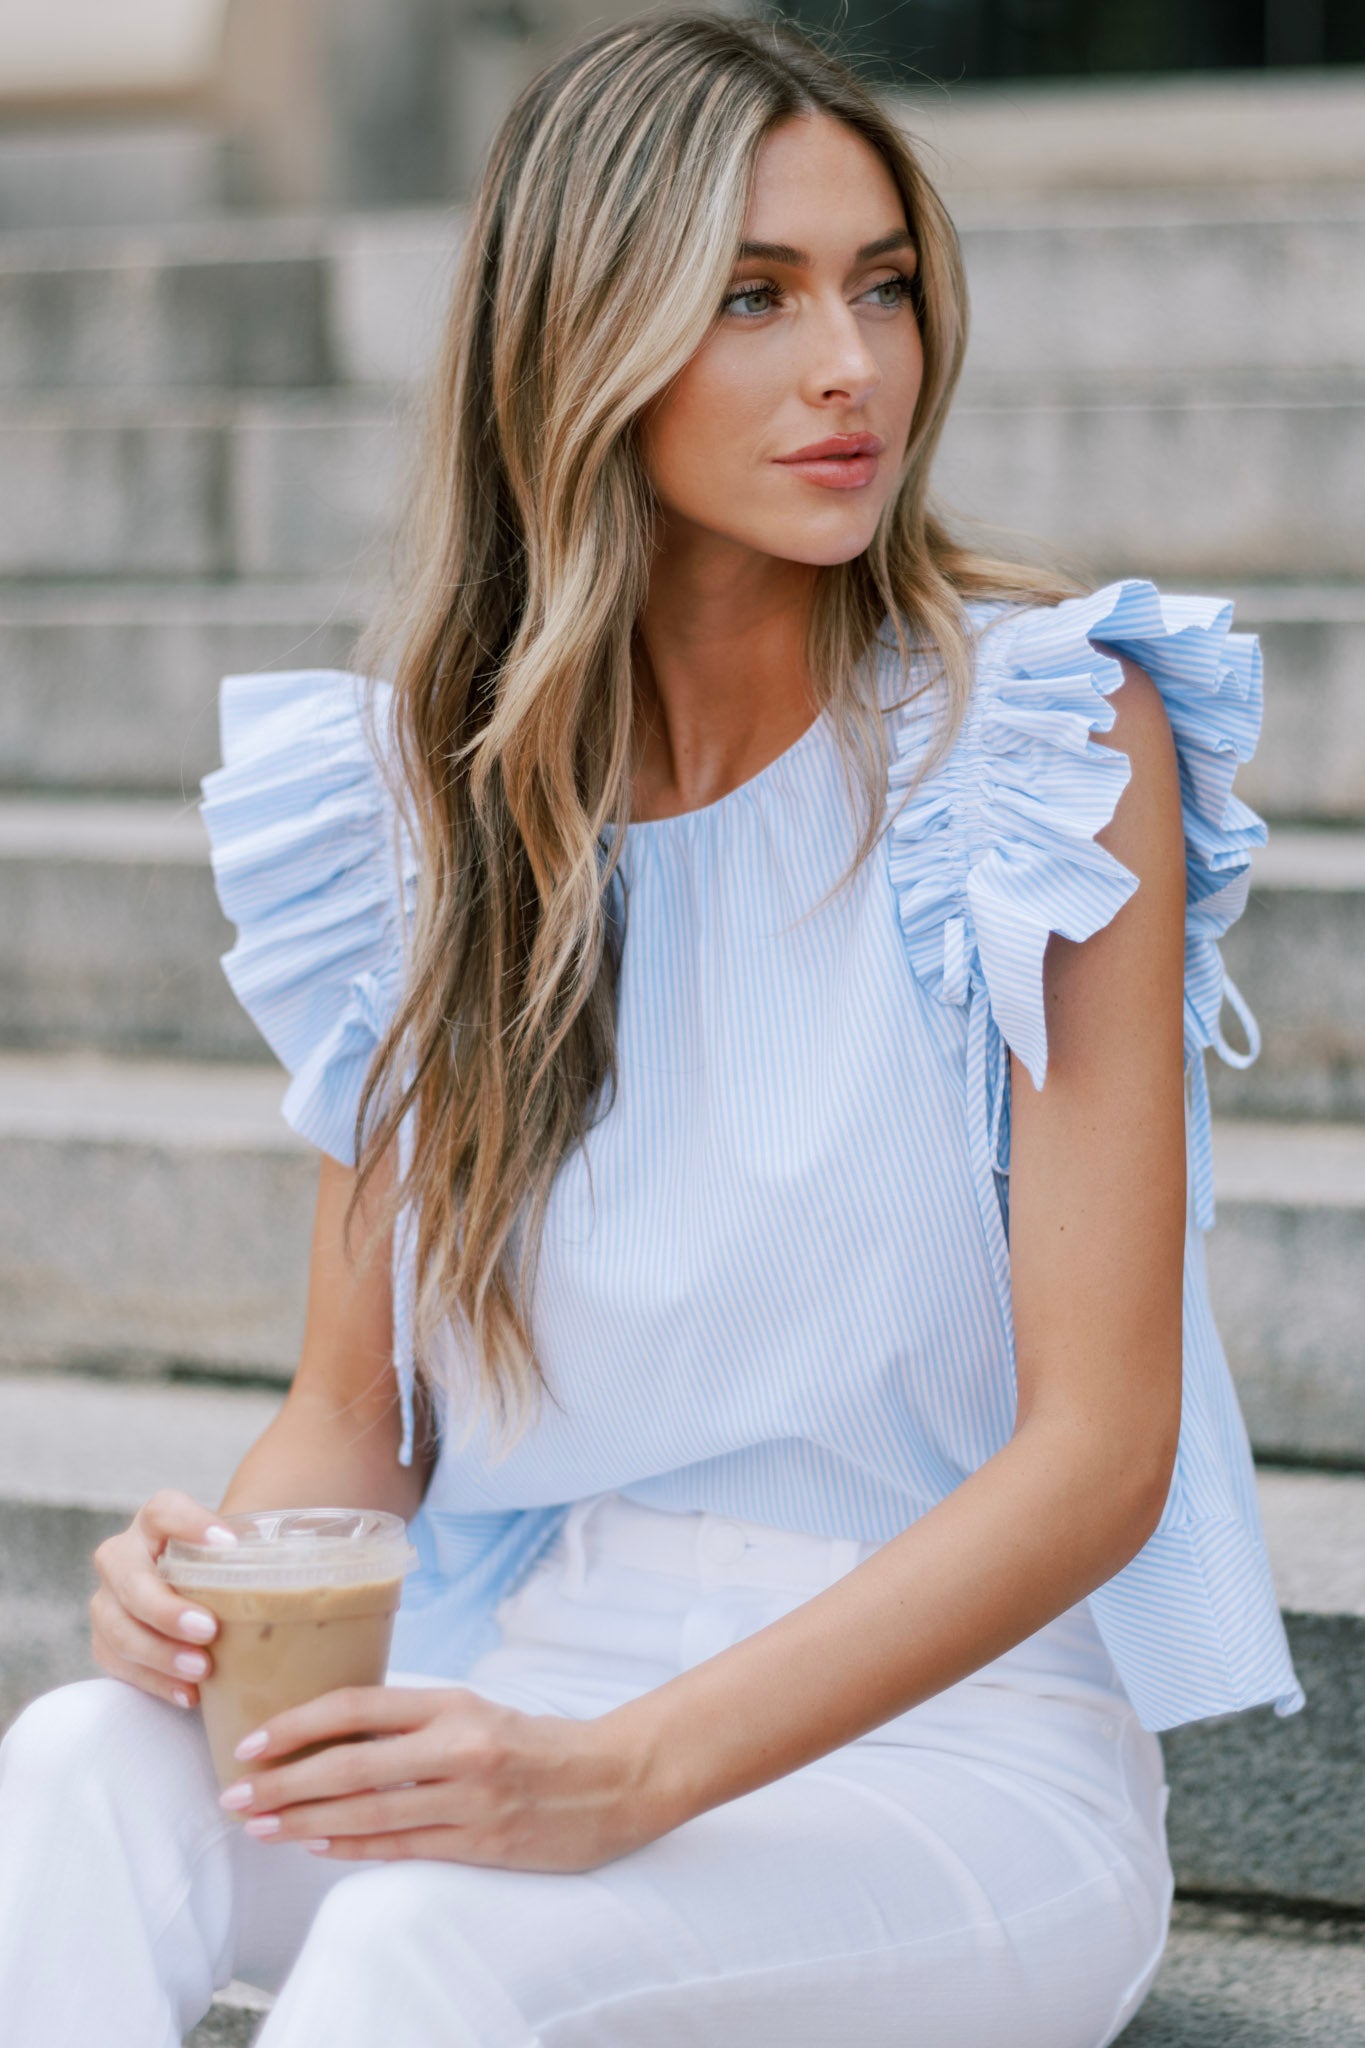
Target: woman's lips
838	462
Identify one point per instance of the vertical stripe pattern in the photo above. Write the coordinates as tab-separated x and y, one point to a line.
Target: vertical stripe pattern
775	1281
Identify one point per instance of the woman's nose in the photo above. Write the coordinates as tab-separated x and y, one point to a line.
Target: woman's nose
839	358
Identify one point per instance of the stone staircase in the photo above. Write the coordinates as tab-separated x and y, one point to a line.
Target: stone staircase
200	437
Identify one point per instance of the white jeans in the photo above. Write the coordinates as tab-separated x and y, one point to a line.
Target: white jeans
989	1870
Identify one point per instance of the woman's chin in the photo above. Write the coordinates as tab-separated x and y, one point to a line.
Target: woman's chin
826	552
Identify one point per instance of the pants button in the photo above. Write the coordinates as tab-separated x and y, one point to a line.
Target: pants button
722	1542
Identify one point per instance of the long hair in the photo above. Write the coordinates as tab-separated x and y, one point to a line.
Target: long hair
597	250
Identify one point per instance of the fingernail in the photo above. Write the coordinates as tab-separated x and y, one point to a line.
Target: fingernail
251	1745
194	1622
190	1664
216	1533
317	1848
263	1824
236	1795
182	1699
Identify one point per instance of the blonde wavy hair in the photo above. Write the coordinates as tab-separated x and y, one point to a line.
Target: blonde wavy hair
596	253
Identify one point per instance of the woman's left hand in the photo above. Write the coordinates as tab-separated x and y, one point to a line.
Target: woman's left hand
451	1775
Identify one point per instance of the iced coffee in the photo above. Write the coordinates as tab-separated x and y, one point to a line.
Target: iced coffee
305	1601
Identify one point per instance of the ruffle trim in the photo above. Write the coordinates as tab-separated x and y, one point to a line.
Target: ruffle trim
997	849
313	866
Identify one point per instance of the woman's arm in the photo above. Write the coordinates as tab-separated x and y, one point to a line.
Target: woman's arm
1097	1224
335	1440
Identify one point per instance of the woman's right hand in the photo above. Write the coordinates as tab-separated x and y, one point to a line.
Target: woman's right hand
141	1629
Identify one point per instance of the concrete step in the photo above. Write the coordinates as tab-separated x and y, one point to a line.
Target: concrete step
151	1213
1286	1268
250	300
1255	1799
114	687
1297	954
1263	482
234	2019
100	173
111	937
1237	1979
1310	764
110	931
1229	1979
1152	285
1229	283
77	1458
197	485
1259	1806
1177	478
1031	141
100	1158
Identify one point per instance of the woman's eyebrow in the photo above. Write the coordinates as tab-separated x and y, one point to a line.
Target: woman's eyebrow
782	252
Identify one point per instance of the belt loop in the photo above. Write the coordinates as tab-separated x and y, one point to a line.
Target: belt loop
575	1548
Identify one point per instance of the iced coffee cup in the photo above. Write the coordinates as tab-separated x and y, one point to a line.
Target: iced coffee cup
305	1601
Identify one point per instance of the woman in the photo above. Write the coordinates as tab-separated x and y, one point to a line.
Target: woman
826	1474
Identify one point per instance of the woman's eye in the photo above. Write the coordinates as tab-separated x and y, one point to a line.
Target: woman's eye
741	300
893	291
899	283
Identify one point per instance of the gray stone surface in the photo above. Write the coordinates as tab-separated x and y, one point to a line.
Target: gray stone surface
1203	133
1267	1805
1232	1979
1170	286
1173	285
1311	760
111	930
233	2022
315	485
1228	1979
112	1443
109	492
114	686
1181	480
107	1142
197	486
114	689
254	321
1287	1280
144	171
151	1213
45	1594
1216	484
77	1458
1298	956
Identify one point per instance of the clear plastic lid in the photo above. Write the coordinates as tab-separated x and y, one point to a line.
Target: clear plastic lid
290	1547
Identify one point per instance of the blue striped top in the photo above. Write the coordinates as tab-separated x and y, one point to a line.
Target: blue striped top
775	1283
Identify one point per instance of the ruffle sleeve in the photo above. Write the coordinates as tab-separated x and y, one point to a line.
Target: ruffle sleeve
314	867
998	849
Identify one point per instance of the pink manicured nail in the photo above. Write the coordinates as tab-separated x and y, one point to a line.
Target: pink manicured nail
263	1824
236	1795
182	1699
190	1664
251	1745
194	1622
317	1848
216	1533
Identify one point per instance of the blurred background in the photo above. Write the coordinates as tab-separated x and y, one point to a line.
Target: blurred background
226	232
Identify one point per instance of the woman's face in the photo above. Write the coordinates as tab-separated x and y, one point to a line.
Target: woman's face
817	339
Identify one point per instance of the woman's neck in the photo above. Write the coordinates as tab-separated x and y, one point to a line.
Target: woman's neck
721	672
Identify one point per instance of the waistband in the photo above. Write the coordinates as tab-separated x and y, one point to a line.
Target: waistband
712	1549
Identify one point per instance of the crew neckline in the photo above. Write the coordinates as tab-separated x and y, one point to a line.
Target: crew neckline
637	828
